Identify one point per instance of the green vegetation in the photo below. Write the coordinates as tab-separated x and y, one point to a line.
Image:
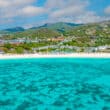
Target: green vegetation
33	34
51	38
60	26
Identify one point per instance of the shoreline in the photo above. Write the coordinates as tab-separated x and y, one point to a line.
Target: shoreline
73	55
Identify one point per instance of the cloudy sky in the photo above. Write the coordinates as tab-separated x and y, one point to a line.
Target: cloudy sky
28	13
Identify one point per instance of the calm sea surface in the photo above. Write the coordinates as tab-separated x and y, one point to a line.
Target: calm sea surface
55	84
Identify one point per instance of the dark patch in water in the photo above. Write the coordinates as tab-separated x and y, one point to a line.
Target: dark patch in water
106	108
5	102
23	105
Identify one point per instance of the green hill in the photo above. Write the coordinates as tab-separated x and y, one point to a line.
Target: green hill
34	34
82	38
12	30
60	26
93	34
93	29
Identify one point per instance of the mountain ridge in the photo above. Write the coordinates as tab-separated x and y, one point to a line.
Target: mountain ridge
59	26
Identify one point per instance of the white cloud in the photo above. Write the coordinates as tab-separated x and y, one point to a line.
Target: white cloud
56	11
6	21
12	9
107	10
4	3
88	17
14	3
71	11
68	11
31	11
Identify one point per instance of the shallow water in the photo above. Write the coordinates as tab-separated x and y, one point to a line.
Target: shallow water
55	84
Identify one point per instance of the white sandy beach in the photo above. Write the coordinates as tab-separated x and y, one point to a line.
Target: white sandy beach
74	55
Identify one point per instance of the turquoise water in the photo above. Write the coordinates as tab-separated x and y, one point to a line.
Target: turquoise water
55	84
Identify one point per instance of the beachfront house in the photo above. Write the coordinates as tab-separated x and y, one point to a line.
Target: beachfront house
102	48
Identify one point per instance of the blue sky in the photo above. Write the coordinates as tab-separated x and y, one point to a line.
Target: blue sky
29	13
